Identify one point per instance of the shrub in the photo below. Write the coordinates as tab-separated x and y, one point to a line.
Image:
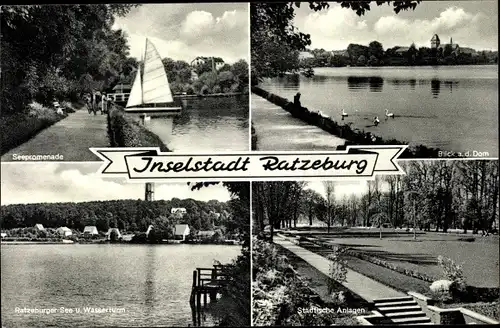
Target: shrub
338	267
452	271
126	131
217	89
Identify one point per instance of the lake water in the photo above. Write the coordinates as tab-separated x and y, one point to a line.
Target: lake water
207	124
152	283
449	107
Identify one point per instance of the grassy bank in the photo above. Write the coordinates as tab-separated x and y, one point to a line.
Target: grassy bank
127	131
21	127
353	135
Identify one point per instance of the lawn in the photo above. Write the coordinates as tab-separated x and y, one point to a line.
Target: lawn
479	259
383	275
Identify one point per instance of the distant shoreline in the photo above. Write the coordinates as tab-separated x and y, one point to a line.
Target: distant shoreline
230	94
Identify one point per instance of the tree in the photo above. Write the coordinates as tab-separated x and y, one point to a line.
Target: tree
48	50
375	49
276	42
330	202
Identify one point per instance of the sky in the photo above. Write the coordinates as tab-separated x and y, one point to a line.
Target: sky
344	188
185	31
470	23
79	182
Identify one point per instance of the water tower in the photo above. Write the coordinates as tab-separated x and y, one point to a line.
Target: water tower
150	192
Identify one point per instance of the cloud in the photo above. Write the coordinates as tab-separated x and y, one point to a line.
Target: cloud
334	28
53	182
337	27
186	35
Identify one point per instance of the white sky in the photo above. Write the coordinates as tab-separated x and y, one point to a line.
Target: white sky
78	182
344	188
185	31
470	23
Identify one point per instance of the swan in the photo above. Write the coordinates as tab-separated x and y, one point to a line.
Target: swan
320	113
376	121
344	114
387	114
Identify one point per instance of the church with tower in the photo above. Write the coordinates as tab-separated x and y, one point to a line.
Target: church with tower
436	44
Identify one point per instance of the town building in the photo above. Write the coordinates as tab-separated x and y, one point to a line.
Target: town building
39	227
205	234
64	231
436	44
178	210
181	231
216	62
90	230
110	231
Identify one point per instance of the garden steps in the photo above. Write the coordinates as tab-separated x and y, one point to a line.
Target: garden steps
402	311
406	314
402	308
396	303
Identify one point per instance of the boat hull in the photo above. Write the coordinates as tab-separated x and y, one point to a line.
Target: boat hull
150	110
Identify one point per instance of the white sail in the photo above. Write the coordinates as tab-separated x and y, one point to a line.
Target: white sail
135	97
155	86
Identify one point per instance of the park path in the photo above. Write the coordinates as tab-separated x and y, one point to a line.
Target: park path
359	284
71	137
277	129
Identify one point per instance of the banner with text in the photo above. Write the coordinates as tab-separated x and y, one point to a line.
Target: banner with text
151	165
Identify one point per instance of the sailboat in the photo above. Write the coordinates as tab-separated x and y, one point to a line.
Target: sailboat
151	91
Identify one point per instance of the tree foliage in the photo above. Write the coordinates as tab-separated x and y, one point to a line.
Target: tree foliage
276	42
437	195
127	215
59	51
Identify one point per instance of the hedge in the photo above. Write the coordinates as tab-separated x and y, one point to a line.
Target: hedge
126	131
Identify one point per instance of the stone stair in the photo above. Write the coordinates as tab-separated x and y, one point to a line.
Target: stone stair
401	311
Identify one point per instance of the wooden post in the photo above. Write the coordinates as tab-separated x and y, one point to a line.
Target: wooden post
198	307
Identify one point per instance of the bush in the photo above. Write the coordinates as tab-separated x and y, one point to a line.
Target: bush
20	127
126	131
338	267
452	271
217	89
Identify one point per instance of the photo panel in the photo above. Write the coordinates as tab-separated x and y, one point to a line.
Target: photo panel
173	76
96	252
330	75
392	250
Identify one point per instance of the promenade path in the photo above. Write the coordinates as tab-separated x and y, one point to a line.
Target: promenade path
71	137
359	284
277	129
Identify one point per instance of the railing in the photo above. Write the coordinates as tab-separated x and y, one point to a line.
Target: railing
119	97
210	277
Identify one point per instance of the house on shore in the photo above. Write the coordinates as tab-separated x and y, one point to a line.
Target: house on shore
181	231
205	234
4	234
113	230
64	231
39	227
178	210
90	231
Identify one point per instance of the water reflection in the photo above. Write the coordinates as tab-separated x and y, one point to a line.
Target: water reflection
210	123
435	88
374	83
291	81
149	285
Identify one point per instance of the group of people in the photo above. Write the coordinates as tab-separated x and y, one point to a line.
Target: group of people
98	101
